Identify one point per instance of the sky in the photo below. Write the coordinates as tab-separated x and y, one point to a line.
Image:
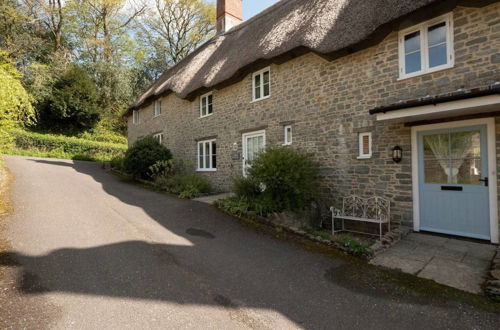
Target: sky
253	7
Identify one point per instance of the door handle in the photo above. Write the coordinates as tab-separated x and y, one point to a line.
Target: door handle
485	180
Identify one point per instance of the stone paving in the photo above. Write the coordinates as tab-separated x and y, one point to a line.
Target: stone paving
454	262
212	198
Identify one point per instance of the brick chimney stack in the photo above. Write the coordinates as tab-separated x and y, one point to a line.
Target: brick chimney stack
229	14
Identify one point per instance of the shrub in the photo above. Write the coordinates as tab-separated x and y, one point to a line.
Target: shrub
289	178
246	188
61	146
187	185
143	154
161	169
117	163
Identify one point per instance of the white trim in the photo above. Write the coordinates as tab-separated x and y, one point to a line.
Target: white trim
211	167
492	165
361	145
244	145
157	108
444	108
159	137
288	140
424	47
135	117
201	104
261	74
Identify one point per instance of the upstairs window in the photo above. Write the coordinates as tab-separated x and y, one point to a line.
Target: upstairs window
288	135
365	145
427	47
206	105
261	84
207	155
157	108
135	116
158	137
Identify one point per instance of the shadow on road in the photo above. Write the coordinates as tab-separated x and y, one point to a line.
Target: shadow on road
228	265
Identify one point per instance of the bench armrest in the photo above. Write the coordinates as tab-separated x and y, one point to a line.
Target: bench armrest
335	212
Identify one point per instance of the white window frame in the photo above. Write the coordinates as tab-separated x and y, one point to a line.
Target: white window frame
159	137
261	74
135	117
361	136
157	108
288	139
205	168
205	97
424	48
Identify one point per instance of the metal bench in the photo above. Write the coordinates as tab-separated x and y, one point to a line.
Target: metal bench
373	210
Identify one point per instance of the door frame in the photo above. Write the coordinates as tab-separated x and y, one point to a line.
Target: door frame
492	165
244	137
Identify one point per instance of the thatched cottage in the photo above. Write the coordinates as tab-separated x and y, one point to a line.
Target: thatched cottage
395	98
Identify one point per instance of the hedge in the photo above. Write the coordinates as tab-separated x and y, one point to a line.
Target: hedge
79	148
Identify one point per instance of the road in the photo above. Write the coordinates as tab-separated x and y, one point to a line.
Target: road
91	251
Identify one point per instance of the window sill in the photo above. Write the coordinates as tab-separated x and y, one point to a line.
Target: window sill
206	170
200	117
421	73
262	98
156	116
287	144
364	157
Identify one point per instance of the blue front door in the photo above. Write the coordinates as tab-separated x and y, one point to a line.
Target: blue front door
453	183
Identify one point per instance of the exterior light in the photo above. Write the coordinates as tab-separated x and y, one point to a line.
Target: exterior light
397	154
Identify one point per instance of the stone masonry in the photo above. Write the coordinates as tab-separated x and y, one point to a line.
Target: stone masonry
327	104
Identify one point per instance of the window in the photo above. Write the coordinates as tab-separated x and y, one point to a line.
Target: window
157	108
206	105
261	84
135	116
427	47
365	145
159	137
207	155
288	135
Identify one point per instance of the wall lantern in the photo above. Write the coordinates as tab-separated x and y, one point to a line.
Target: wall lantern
397	154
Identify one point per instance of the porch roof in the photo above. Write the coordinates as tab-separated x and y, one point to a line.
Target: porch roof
460	102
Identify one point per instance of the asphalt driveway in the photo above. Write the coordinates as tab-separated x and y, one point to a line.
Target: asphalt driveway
90	251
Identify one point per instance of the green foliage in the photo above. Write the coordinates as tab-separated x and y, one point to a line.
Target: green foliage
352	246
101	134
60	146
187	185
73	102
243	206
280	179
161	169
15	102
143	154
117	163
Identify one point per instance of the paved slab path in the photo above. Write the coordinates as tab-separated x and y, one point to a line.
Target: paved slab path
458	263
89	251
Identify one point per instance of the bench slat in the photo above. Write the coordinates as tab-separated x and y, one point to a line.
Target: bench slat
360	219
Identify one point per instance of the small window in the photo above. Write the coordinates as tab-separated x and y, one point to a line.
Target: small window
159	137
288	135
207	155
427	47
157	108
261	84
135	116
365	145
206	105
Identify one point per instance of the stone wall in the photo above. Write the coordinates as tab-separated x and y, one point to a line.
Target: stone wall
327	104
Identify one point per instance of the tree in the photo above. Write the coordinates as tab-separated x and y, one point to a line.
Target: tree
15	102
73	103
174	28
50	14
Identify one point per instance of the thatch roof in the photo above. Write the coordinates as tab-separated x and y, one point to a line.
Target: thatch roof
331	28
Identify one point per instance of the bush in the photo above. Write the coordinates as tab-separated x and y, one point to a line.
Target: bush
117	163
352	246
289	179
187	185
143	154
246	188
62	146
72	103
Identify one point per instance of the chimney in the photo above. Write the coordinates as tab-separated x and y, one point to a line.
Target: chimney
229	14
